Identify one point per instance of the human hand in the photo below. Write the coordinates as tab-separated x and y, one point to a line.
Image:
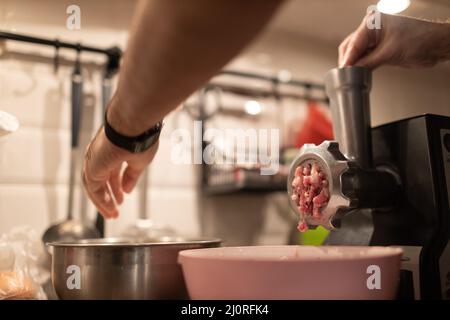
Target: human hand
109	171
400	41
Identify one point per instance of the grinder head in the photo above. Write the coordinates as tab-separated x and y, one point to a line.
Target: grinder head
332	164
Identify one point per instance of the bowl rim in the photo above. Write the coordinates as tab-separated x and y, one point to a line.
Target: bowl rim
130	242
199	254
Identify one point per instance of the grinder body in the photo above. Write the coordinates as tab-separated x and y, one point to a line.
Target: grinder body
391	183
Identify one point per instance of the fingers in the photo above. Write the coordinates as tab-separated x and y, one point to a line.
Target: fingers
372	60
343	49
110	197
135	166
130	177
116	185
101	196
95	184
357	46
102	178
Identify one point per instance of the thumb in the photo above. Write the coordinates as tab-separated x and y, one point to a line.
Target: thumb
130	178
358	43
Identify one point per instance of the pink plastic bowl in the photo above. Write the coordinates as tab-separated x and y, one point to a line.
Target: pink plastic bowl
292	272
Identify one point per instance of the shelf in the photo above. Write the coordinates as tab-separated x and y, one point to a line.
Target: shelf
243	180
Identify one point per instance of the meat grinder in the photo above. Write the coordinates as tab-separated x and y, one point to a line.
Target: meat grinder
388	185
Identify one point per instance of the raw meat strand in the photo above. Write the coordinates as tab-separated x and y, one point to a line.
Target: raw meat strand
302	226
310	192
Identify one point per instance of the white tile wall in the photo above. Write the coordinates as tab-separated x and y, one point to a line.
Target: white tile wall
34	155
163	172
175	207
35	205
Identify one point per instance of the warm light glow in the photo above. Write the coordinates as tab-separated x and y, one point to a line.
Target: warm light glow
253	107
392	6
284	76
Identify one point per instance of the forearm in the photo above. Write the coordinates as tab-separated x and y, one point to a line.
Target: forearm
175	47
443	41
432	41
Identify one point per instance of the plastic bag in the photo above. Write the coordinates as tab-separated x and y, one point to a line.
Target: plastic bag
21	275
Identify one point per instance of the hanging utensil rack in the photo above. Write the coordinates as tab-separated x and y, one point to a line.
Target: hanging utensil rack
216	181
113	54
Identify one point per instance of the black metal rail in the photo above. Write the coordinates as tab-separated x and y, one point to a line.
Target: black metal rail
113	54
274	79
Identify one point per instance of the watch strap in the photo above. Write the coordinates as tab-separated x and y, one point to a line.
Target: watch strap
134	144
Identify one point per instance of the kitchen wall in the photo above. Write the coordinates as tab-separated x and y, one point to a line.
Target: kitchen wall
34	162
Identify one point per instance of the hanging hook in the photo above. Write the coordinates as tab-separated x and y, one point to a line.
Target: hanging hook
77	60
307	95
56	57
218	96
112	64
275	89
207	114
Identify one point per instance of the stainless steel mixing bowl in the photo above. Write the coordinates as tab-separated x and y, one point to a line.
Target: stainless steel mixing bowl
120	268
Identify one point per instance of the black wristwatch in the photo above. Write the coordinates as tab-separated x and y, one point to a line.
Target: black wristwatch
136	144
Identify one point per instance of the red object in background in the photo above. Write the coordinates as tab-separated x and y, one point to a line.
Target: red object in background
316	128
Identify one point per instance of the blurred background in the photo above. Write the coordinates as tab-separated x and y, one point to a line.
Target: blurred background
276	82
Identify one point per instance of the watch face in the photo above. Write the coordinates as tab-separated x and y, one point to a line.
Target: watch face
143	146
